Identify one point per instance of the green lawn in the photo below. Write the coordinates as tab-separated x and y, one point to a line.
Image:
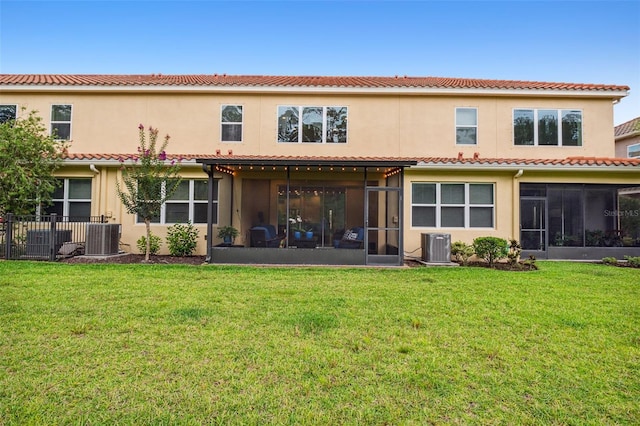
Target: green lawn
162	344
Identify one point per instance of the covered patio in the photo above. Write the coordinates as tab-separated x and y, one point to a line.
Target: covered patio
307	210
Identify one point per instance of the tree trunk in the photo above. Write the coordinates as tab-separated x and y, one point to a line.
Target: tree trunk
147	224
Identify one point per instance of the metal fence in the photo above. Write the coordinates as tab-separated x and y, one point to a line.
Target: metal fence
41	237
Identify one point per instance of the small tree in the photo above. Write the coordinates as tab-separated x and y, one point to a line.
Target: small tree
491	249
28	158
149	182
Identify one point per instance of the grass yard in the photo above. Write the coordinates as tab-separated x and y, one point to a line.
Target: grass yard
169	344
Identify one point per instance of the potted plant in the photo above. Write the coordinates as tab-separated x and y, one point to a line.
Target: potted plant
228	234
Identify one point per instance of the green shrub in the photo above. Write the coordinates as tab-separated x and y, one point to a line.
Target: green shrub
634	262
462	251
182	239
515	249
491	249
154	244
609	260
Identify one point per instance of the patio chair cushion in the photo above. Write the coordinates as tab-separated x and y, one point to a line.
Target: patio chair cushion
352	238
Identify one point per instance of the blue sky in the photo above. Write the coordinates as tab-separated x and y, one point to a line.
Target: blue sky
559	41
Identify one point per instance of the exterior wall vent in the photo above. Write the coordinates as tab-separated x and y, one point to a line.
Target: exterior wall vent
436	248
102	239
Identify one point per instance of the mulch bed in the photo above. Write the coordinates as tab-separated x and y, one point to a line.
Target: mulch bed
127	259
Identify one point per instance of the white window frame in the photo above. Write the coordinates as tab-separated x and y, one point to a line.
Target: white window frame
191	202
54	122
227	123
438	205
535	126
324	123
13	105
466	126
637	149
66	201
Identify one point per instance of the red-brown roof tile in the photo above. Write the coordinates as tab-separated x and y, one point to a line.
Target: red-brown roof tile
224	80
578	161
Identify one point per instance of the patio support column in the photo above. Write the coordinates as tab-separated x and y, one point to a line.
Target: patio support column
209	171
288	213
401	216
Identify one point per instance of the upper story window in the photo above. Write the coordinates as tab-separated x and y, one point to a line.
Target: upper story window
188	203
8	112
72	198
231	123
61	122
633	151
466	126
547	127
452	205
312	124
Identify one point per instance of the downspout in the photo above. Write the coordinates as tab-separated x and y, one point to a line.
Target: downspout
101	202
515	195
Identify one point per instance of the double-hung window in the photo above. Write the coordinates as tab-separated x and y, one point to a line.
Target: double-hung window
312	124
61	122
547	127
8	112
72	198
452	205
633	151
466	126
231	123
188	203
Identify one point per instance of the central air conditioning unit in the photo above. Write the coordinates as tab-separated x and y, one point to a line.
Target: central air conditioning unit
436	248
39	241
102	239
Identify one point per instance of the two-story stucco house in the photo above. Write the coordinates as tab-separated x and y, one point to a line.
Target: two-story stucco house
351	170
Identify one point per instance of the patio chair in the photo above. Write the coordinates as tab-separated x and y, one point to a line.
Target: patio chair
264	236
352	238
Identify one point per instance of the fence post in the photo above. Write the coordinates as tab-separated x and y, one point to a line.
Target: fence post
8	236
52	237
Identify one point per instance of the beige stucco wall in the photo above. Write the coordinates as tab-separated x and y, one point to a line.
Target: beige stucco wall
388	126
505	214
379	125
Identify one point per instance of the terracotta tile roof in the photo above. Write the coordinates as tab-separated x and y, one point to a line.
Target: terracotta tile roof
224	80
629	128
579	161
517	162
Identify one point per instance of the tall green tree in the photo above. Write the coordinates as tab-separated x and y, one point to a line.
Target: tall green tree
148	180
28	158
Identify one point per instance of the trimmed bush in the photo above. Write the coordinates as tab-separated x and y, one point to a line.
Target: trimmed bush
182	239
491	249
154	244
462	251
634	262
